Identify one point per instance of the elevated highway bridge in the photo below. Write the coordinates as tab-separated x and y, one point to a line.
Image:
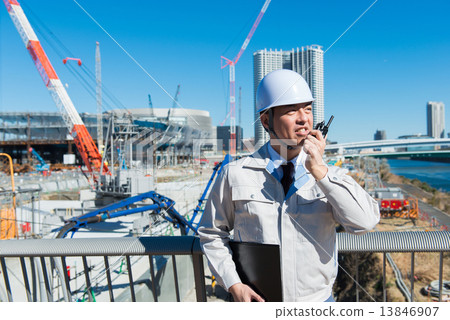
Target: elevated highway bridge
388	143
417	149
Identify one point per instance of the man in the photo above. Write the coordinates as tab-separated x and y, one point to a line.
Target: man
249	199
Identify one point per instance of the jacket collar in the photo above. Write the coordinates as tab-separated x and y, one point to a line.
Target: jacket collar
261	160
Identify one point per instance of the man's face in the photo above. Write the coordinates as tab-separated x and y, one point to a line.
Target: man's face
291	122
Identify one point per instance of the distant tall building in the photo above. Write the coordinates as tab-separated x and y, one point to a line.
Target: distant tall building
307	61
223	136
379	135
436	119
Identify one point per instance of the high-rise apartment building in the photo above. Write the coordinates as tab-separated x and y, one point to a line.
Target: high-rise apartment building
436	119
223	137
307	61
379	135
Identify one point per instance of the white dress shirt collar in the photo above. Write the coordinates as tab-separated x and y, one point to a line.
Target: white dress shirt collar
278	160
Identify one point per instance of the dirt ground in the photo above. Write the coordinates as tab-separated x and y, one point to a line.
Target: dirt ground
426	264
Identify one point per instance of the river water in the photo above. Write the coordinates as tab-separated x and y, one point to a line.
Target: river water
436	174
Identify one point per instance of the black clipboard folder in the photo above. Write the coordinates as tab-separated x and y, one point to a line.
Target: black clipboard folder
258	266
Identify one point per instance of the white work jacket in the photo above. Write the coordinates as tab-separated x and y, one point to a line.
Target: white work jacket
248	203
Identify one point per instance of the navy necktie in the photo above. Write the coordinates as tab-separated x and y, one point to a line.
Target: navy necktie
286	180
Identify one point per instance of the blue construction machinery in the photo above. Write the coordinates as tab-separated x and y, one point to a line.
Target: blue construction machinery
202	201
161	205
42	166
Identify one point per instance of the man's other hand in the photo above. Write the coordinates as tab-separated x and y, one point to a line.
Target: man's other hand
243	293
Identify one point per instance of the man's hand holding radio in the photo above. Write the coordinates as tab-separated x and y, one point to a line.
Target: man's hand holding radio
314	147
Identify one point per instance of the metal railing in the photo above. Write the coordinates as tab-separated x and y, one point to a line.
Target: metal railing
405	242
48	258
58	250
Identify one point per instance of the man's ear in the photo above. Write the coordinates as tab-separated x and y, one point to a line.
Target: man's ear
264	117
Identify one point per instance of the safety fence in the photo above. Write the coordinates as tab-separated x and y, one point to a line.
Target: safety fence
18	214
56	182
8	225
20	197
162	268
434	222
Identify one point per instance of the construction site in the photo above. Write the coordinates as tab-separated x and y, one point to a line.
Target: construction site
55	167
94	159
116	172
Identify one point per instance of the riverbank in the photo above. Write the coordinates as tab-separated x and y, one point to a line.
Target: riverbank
435	174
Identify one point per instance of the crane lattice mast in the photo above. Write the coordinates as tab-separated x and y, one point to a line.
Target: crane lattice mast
232	64
83	140
240	124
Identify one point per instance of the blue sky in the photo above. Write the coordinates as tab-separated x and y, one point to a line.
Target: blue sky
379	75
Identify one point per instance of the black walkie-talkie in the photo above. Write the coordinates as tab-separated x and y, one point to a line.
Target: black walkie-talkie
322	127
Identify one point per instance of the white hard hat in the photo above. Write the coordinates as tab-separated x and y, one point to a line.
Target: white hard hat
282	87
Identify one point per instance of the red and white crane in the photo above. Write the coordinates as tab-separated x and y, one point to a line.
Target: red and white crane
232	64
83	140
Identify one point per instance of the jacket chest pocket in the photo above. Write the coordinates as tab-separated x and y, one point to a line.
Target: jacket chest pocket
312	201
250	199
313	216
255	217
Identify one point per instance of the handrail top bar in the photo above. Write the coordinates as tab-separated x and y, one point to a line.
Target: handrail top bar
391	241
163	245
413	241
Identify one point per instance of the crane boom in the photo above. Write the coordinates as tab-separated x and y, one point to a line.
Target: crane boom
42	165
175	102
232	64
252	31
175	98
83	140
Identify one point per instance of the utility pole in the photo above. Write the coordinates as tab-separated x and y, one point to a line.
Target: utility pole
98	77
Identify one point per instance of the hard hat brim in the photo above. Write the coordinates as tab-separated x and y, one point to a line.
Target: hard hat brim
285	103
